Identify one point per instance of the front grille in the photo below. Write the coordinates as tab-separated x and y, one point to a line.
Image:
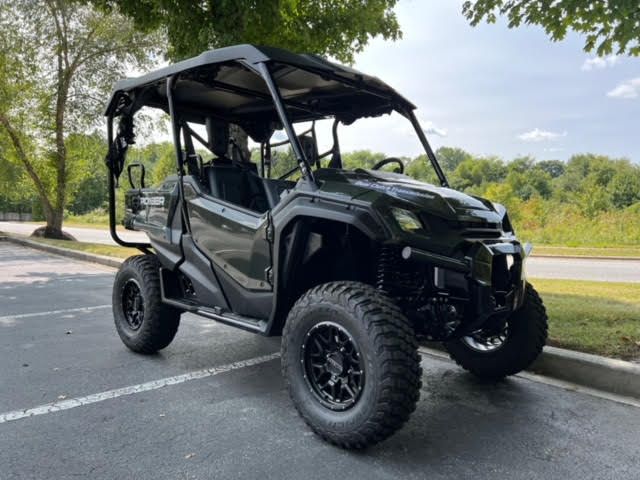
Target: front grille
477	228
478	225
481	233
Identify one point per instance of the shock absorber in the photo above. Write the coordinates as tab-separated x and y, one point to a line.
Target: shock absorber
384	273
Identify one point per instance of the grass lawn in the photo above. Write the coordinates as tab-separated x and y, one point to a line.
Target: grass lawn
97	248
613	251
593	317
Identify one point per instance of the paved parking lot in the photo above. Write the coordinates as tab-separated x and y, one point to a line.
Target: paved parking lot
213	405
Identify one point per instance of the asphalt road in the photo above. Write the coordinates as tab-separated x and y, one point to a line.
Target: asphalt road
91	235
537	267
600	270
233	419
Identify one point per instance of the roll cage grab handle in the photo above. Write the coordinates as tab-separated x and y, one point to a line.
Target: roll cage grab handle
111	159
305	168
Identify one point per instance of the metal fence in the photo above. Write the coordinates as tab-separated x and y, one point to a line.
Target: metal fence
15	217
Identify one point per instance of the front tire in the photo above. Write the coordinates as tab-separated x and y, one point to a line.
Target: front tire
351	364
143	322
507	354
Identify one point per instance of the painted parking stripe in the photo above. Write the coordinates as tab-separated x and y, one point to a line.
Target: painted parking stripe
133	389
54	312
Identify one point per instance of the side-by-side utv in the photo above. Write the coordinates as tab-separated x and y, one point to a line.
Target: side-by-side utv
350	266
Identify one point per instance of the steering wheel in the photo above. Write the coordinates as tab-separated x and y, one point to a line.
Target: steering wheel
387	161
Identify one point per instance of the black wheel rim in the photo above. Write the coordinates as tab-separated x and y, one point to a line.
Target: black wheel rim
333	366
132	304
486	343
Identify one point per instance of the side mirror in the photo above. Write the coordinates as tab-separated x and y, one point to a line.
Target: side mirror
142	173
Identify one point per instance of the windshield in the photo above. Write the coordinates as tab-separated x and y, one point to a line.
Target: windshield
361	144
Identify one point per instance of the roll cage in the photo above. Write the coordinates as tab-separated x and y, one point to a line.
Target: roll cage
260	89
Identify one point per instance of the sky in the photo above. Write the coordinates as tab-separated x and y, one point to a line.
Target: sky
498	91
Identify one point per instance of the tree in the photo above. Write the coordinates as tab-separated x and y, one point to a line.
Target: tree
476	171
421	169
58	61
88	178
610	26
361	159
555	168
450	157
15	194
625	185
323	27
521	164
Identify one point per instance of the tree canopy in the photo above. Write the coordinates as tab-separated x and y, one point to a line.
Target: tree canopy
324	27
610	26
58	60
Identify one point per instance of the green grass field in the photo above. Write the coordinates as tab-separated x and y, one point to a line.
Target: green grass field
561	251
593	317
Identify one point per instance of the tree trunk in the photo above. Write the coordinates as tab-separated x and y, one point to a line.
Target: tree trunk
54	221
54	226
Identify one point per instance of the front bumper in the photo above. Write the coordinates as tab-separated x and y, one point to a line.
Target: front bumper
494	274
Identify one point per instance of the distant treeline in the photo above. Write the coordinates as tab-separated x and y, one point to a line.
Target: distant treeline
588	200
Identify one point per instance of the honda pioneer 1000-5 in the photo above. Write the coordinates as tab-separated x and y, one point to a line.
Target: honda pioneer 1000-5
351	266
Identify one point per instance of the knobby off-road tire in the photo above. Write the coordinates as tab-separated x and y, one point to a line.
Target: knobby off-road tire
526	335
152	325
387	353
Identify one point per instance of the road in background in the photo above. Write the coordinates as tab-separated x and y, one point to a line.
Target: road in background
608	270
601	270
240	423
91	235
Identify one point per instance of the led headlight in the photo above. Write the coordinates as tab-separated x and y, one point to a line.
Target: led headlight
407	221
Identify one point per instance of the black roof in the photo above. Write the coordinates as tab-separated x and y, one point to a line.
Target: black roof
223	83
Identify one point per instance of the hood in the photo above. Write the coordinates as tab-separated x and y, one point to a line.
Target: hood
441	201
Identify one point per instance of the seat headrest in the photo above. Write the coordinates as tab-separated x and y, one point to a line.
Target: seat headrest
218	133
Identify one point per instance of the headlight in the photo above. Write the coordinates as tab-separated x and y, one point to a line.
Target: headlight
407	221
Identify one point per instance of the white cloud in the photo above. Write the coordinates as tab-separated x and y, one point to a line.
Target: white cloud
598	63
430	129
537	135
404	127
628	89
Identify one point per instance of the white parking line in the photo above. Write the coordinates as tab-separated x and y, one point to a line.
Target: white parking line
54	312
142	387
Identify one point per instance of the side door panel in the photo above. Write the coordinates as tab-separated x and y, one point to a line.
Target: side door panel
235	240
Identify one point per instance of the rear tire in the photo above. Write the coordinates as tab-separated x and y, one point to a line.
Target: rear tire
526	335
375	338
144	323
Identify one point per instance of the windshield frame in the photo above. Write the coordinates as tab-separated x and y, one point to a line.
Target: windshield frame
405	109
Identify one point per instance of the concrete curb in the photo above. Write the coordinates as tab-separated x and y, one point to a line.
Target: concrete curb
601	373
592	371
84	256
